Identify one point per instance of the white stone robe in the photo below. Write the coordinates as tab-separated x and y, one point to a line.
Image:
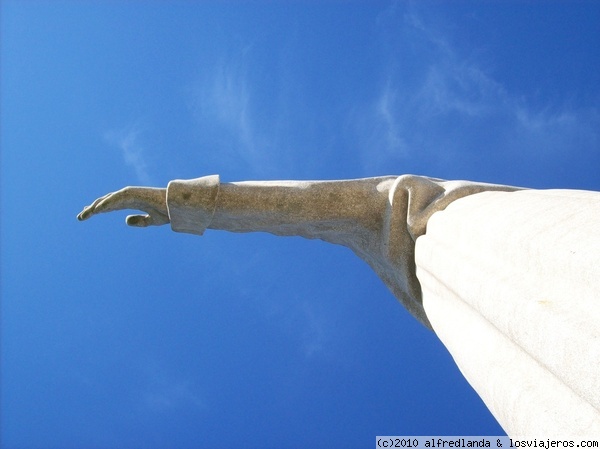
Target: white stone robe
511	285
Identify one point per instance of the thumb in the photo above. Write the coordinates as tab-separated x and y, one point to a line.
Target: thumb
139	221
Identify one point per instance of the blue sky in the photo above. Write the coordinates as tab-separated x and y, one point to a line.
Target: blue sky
121	337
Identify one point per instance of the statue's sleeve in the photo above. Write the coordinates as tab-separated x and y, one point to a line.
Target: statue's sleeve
379	219
191	203
335	211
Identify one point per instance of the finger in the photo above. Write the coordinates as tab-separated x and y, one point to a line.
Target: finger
83	215
149	200
90	210
87	212
139	221
114	201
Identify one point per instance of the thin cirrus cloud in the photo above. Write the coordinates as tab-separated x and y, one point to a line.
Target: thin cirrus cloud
229	99
127	140
224	104
392	133
305	326
438	102
162	391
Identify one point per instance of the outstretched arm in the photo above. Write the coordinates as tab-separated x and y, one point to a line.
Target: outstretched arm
151	200
378	218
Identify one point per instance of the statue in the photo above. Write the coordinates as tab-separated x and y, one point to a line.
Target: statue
507	278
377	218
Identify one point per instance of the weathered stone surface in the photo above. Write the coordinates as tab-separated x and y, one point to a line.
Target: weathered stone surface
377	218
511	285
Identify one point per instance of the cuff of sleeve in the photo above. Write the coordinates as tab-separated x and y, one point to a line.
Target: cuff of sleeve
191	203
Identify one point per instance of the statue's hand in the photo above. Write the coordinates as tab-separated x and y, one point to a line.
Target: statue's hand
153	201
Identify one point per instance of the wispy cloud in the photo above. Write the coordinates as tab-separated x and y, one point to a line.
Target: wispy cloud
164	396
310	325
313	330
128	141
439	100
163	392
226	106
230	98
307	326
391	132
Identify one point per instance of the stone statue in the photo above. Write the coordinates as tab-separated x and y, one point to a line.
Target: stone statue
377	218
507	278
